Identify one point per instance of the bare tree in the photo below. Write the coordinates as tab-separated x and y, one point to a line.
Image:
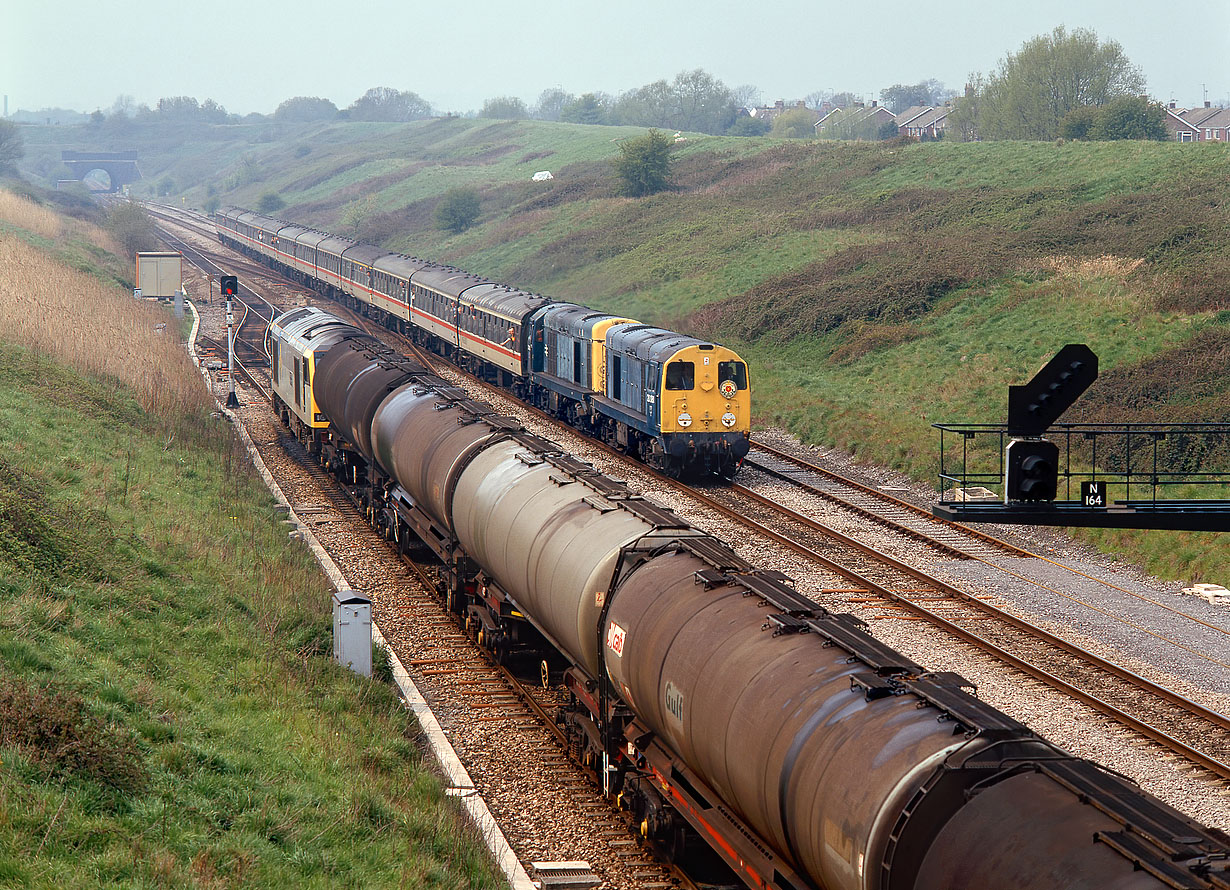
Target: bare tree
11	147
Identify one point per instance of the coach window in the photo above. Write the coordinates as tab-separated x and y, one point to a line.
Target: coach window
680	375
736	371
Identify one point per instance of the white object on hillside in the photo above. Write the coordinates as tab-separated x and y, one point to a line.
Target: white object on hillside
542	176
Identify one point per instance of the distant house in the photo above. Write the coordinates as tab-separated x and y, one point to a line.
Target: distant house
1207	124
769	112
923	122
858	121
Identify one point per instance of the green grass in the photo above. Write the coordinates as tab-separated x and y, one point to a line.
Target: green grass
146	577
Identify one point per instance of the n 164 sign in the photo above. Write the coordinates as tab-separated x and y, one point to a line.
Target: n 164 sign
1093	494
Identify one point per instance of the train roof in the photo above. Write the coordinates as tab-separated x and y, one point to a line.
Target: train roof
574	319
310	237
400	265
292	231
649	343
447	280
336	244
364	253
504	301
266	223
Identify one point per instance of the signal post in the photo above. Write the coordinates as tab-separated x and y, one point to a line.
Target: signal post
229	286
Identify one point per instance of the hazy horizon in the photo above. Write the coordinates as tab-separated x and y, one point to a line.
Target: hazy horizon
81	56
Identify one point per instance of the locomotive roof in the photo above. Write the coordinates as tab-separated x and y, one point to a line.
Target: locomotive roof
400	265
649	343
576	320
307	324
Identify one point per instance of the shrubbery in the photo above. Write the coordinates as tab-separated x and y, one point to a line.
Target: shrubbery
457	210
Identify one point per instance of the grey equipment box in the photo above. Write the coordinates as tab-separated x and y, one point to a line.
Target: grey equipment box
159	274
352	631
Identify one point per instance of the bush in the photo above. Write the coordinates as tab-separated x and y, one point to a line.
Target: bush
457	210
131	226
1077	123
1131	117
748	126
55	729
270	202
644	165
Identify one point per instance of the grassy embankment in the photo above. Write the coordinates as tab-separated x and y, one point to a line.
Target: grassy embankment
875	289
169	713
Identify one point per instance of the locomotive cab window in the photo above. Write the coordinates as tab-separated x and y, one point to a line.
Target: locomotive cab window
680	375
736	371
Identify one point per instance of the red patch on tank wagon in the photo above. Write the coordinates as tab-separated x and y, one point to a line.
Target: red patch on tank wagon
615	638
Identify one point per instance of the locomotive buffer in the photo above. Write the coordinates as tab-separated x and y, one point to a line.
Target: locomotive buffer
1112	463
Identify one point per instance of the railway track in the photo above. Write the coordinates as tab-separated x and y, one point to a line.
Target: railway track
1197	733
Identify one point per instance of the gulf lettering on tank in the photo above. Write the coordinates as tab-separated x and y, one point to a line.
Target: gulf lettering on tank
615	638
674	703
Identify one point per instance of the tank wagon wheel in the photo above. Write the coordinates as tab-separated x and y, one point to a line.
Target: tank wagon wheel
544	674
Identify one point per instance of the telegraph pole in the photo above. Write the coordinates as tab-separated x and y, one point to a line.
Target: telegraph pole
229	285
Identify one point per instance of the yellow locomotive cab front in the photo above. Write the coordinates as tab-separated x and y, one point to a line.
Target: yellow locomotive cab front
705	389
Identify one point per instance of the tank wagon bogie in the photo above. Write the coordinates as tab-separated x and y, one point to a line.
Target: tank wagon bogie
680	404
717	704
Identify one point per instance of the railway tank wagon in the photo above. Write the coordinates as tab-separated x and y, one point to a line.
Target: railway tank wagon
716	701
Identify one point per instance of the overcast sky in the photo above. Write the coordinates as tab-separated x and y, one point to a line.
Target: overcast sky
251	55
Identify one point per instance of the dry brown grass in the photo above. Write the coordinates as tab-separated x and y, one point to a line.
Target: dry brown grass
1091	267
24	213
71	317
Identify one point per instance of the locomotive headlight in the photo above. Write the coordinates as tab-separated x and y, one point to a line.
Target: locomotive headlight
685	419
728	419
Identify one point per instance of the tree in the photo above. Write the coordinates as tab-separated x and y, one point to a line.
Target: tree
11	147
123	106
644	164
695	100
588	109
746	125
551	102
1033	89
797	123
1077	123
458	210
131	226
1131	117
270	202
388	104
305	108
505	108
702	102
746	95
899	97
